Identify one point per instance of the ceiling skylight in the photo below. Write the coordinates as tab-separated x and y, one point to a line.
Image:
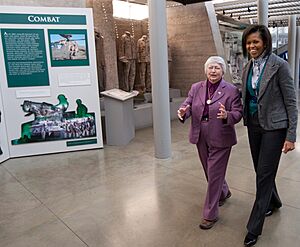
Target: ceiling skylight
129	10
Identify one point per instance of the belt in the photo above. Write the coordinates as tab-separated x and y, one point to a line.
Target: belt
204	119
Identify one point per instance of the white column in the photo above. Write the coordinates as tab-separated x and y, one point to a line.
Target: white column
292	43
159	78
262	11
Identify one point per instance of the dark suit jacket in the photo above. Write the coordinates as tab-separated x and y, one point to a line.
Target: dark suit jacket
221	133
277	103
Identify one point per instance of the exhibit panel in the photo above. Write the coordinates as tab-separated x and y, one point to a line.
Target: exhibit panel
49	80
4	152
234	55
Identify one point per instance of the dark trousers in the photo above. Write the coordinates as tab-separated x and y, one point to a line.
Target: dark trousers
266	149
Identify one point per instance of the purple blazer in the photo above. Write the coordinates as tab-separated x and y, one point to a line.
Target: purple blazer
221	132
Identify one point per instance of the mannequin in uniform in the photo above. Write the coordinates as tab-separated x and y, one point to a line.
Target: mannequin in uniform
100	61
127	55
143	57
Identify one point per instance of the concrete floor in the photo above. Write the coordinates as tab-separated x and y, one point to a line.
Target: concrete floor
123	196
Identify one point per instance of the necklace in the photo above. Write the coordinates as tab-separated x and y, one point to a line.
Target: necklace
208	101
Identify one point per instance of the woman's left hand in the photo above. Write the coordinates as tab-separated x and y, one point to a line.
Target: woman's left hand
288	146
223	113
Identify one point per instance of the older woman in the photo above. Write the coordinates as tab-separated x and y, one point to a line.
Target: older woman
215	107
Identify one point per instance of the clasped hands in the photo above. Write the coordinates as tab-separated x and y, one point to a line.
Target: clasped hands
221	115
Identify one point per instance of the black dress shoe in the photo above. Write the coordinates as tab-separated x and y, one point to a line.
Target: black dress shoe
222	201
250	239
269	212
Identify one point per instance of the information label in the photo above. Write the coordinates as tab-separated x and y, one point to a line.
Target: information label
25	57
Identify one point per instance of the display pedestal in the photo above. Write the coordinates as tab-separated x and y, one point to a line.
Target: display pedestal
119	118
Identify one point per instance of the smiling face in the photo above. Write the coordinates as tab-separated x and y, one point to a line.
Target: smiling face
214	72
255	45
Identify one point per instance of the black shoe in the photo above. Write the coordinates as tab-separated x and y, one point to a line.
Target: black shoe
250	239
222	201
207	224
269	212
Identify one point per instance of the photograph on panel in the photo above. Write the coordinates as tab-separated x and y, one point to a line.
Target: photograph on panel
53	122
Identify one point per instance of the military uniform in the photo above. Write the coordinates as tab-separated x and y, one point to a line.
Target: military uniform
143	56
127	55
100	61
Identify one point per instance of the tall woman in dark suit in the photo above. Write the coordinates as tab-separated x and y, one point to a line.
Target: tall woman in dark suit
270	114
215	107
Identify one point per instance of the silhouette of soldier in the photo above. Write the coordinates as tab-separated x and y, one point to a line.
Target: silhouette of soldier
63	103
81	110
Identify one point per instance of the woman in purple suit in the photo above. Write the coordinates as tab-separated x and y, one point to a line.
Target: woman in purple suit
214	106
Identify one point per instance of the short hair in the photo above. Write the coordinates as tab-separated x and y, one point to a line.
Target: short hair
215	59
264	34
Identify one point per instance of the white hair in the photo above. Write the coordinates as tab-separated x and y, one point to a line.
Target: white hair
215	59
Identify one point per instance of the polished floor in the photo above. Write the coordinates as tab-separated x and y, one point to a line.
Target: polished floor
124	197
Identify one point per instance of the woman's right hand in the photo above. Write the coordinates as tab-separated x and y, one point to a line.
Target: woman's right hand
182	110
288	146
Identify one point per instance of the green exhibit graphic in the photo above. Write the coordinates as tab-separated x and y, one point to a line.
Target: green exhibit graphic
25	57
68	47
54	122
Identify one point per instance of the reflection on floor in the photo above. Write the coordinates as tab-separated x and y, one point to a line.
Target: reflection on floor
124	197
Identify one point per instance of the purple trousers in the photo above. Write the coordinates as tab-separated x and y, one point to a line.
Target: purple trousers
214	161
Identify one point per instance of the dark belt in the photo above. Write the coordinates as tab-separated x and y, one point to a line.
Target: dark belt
204	119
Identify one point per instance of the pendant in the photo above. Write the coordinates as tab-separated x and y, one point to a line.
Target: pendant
208	101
